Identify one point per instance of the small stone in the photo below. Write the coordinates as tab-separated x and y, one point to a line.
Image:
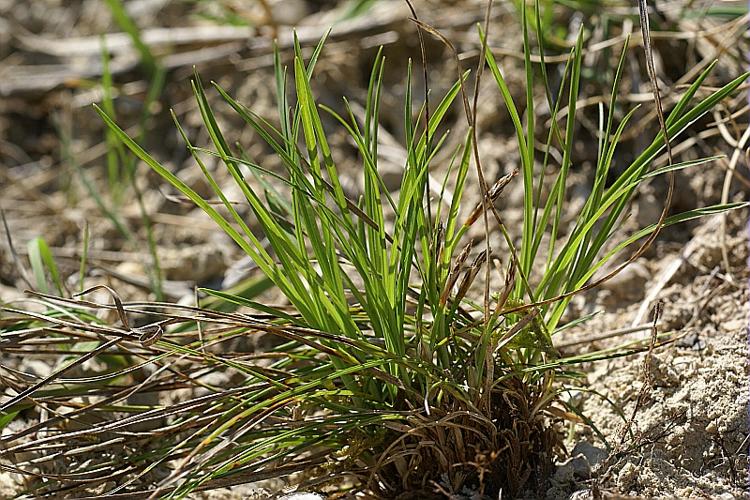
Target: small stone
574	469
591	453
578	466
712	428
628	285
692	341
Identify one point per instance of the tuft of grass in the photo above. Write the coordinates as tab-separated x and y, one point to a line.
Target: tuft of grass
387	379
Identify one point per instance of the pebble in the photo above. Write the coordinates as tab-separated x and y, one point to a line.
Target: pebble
591	453
629	285
578	466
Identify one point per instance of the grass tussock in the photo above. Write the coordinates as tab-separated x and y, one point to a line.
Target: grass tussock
387	377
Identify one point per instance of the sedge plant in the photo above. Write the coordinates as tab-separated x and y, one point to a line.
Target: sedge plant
387	378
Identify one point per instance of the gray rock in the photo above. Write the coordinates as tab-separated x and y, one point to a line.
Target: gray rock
573	469
591	453
629	285
578	467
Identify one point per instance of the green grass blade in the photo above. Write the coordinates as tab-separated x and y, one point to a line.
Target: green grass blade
126	24
42	262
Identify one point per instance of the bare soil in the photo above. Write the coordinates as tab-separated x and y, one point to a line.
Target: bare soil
688	437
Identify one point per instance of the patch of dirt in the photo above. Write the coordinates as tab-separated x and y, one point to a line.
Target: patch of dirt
689	436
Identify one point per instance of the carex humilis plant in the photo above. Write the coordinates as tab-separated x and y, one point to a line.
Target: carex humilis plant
388	379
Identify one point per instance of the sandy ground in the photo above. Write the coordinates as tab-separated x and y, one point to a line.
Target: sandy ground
689	435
